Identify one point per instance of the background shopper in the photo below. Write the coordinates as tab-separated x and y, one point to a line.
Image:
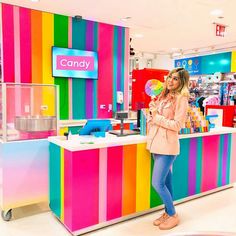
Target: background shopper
167	115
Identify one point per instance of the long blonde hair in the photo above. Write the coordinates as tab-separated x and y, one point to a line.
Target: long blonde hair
184	82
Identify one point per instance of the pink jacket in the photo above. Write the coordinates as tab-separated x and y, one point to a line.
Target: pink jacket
163	130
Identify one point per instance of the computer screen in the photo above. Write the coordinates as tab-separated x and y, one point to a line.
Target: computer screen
95	126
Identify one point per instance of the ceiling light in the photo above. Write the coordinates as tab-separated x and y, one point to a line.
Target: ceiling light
216	12
138	35
126	18
175	49
34	0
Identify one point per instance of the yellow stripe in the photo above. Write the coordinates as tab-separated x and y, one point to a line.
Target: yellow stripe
143	178
62	185
47	43
233	62
63	130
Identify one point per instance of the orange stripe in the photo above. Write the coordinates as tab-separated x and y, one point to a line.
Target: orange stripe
36	37
129	179
36	30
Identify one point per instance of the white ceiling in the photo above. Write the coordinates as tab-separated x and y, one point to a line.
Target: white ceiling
164	24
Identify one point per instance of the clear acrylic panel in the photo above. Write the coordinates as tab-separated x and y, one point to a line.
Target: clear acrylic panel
29	111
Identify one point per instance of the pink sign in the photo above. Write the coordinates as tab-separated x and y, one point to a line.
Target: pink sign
83	63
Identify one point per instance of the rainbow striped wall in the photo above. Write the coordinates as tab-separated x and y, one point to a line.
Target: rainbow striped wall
28	36
94	186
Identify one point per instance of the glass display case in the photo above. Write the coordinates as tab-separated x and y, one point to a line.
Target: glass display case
28	111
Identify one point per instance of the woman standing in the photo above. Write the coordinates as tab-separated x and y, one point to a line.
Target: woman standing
167	116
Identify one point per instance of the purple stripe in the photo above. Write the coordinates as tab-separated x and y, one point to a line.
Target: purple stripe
119	60
192	166
224	161
89	83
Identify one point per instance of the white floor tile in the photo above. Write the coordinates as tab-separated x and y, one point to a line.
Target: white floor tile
212	213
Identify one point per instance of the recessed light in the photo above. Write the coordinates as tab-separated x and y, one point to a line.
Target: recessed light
126	18
34	0
138	35
216	12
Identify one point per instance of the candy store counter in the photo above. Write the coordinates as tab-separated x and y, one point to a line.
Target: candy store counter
95	182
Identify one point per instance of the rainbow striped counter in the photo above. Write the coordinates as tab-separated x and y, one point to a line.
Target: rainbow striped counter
99	181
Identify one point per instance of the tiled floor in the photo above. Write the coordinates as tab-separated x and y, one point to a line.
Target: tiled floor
215	212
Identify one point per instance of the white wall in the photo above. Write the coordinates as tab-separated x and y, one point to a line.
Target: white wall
163	62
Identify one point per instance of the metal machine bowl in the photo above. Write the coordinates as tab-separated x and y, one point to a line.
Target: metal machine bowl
35	123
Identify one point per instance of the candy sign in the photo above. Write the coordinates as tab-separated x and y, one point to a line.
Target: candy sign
74	63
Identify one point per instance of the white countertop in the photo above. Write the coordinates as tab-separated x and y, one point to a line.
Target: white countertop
71	123
86	142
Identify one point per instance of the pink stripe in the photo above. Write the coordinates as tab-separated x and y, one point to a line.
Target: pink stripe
102	184
68	189
233	160
17	44
17	59
126	72
105	69
8	43
85	188
114	182
25	45
210	163
69	79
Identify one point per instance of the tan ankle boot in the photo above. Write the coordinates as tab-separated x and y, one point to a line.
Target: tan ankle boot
161	219
170	222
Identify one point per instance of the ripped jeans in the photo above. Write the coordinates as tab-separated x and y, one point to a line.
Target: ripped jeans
162	180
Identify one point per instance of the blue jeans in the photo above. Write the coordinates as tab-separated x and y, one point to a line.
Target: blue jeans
162	180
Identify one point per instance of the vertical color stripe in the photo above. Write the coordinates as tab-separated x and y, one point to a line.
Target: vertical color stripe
78	84
17	51
70	79
181	171
54	179
61	40
47	43
233	159
192	166
105	39
62	185
25	45
114	182
229	156
143	169
102	184
126	70
95	82
199	165
155	199
129	179
233	61
210	162
225	158
122	63
8	43
36	44
89	82
85	188
114	81
119	55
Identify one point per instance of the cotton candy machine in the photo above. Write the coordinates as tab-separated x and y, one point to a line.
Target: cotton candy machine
35	123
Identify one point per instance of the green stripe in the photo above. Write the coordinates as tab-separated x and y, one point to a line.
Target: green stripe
199	165
115	47
219	182
78	84
55	179
123	65
228	158
61	40
155	200
180	171
95	82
